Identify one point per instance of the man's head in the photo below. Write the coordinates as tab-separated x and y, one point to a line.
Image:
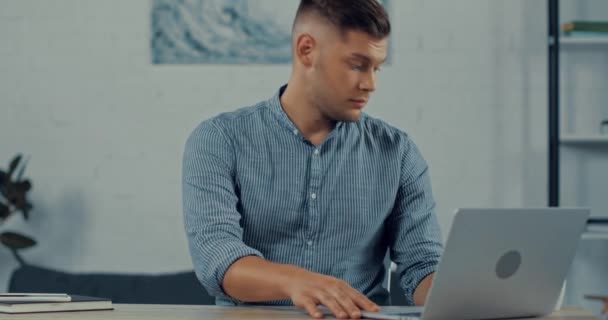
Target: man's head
338	46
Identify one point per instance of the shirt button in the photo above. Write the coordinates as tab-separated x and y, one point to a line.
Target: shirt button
313	196
295	131
309	243
317	152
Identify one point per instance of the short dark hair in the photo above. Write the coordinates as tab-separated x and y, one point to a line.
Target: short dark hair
368	16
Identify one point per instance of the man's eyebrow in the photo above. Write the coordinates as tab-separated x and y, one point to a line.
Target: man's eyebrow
364	57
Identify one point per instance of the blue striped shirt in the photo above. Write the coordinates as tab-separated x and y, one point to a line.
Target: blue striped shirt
253	185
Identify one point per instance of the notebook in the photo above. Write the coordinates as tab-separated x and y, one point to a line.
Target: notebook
39	297
77	303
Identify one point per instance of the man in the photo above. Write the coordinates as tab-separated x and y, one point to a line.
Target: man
296	199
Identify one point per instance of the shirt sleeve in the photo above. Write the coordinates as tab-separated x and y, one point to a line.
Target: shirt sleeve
211	217
414	235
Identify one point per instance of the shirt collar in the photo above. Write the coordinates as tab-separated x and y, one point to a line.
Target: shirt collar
277	109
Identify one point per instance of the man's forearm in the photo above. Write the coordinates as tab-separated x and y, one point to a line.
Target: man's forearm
253	279
422	290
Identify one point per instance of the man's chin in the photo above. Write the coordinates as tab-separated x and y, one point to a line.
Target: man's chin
351	116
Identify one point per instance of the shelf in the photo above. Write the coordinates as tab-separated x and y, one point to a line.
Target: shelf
583	42
595	235
573	140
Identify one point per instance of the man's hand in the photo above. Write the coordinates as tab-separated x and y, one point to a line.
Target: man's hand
605	310
307	290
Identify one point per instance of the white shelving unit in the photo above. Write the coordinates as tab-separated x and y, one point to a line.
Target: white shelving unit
578	147
576	140
595	236
583	42
583	146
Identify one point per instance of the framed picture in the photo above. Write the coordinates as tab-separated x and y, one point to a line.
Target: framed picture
222	31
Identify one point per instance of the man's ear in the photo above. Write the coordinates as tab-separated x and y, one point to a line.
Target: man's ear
305	46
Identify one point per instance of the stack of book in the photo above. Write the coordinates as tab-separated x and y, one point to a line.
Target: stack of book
49	302
586	29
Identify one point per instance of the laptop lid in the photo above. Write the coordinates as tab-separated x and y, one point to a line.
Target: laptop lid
501	263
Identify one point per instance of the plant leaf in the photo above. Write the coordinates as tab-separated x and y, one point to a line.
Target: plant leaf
22	169
21	204
16	241
25	210
16	199
13	165
22	187
5	211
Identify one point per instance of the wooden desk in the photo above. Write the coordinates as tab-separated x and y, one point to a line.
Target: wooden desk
172	312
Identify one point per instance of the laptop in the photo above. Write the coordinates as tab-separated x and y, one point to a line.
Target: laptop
500	263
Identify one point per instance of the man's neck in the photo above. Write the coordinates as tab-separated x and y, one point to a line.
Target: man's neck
306	117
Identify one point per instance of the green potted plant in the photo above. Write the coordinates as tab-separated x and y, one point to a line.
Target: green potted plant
13	192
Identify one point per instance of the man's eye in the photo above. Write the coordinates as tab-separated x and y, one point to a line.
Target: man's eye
358	67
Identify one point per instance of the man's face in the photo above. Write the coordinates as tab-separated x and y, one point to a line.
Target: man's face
344	74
